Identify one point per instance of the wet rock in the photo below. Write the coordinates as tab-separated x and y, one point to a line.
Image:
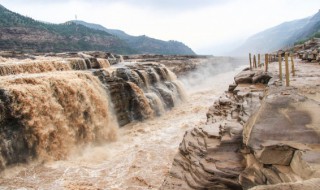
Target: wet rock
149	87
232	87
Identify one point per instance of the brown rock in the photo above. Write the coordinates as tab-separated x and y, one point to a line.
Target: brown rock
311	184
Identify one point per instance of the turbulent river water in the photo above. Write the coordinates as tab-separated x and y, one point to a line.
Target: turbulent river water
141	156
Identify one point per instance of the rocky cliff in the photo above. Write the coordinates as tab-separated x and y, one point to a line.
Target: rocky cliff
255	137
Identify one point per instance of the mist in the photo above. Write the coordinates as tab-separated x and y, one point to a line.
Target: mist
211	72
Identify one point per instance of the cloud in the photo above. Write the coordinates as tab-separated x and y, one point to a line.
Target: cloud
175	5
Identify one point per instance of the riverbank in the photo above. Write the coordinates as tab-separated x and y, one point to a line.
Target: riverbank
255	135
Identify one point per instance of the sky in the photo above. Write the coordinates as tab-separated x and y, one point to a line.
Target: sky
207	26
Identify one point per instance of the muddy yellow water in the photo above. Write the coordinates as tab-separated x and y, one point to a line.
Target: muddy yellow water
139	159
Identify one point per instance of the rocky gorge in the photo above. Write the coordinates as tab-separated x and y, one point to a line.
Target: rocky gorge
60	118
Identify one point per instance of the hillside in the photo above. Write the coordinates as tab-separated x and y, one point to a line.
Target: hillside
22	33
283	35
26	34
144	44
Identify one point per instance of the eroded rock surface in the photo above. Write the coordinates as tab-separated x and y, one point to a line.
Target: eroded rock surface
211	156
255	137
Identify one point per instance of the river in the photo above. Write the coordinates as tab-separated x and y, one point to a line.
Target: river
141	156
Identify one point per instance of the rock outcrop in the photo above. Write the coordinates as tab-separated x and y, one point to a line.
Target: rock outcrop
283	136
252	77
307	50
255	137
211	156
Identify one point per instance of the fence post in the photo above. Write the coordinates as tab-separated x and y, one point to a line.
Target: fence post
280	66
259	62
254	61
266	62
292	66
250	61
270	57
287	70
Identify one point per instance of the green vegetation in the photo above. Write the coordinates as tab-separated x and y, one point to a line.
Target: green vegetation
22	33
58	37
301	42
315	35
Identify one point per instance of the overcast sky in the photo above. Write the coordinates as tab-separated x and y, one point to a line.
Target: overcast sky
207	26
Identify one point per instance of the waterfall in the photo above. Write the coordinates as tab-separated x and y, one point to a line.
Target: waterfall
51	105
103	63
156	103
55	112
171	75
173	78
33	66
152	75
77	63
121	58
47	65
144	76
141	103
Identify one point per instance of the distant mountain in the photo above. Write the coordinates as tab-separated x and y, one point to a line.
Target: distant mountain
144	44
283	35
22	33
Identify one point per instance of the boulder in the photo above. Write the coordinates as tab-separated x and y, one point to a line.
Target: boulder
283	136
252	77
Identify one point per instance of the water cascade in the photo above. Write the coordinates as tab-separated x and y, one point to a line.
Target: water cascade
46	115
33	66
52	105
132	86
